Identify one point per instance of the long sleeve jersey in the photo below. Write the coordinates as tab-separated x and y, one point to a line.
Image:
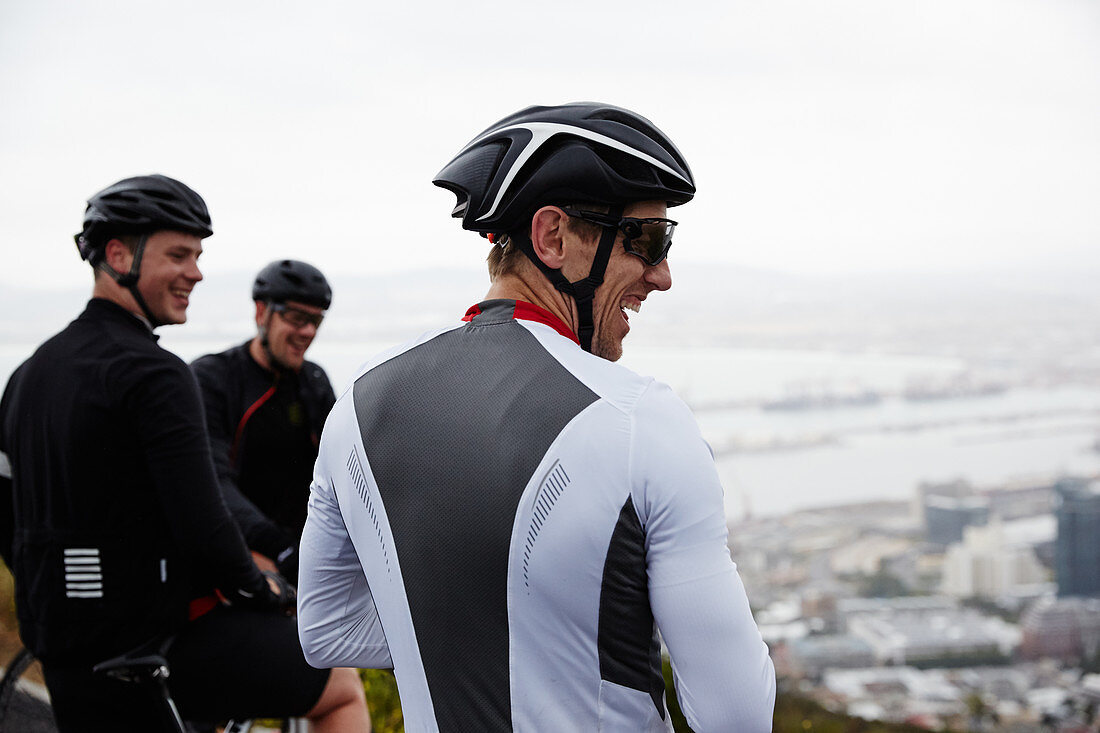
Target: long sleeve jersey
110	513
264	428
509	521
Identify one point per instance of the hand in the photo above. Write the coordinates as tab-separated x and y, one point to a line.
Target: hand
287	562
275	595
286	596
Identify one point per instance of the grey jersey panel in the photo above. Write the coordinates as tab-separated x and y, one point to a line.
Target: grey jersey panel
428	420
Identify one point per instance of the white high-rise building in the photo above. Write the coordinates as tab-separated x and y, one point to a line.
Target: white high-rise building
998	560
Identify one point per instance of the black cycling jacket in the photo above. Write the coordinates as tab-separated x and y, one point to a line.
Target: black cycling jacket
112	520
264	429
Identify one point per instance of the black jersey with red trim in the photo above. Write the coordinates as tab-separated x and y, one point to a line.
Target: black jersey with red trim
113	515
264	430
508	521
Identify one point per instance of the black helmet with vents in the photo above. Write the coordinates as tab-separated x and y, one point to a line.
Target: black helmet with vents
285	280
571	153
141	205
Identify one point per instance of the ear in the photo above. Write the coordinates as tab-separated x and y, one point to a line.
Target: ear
118	256
548	236
261	311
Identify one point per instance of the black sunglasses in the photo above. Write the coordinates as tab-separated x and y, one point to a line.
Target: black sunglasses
649	239
296	316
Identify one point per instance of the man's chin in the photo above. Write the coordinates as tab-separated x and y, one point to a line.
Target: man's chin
172	318
291	365
609	351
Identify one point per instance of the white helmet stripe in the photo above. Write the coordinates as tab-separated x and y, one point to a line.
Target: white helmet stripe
543	131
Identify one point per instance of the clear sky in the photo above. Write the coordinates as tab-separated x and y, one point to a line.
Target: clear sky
848	135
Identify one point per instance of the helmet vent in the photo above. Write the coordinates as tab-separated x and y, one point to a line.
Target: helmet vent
615	115
627	166
474	169
635	123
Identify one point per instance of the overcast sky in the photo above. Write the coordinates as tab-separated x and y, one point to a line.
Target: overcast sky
839	136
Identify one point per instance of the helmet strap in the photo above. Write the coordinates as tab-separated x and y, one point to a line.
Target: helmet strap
273	364
582	291
129	280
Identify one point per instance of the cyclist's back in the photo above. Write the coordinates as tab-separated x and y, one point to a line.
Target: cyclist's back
507	519
109	572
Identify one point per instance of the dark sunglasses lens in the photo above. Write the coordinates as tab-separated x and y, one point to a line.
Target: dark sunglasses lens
654	241
300	319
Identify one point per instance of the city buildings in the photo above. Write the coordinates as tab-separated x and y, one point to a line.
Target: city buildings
869	616
946	517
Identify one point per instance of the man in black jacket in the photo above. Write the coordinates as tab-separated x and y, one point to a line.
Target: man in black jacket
110	515
265	407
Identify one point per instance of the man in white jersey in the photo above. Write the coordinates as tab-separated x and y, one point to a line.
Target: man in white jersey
502	514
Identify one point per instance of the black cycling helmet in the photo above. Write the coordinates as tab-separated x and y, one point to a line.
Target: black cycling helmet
580	152
285	280
141	205
584	152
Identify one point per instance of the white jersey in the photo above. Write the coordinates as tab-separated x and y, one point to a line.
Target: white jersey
507	521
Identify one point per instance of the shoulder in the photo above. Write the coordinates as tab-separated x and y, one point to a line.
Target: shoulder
671	465
141	374
665	431
659	405
222	360
148	360
402	350
614	383
314	373
225	372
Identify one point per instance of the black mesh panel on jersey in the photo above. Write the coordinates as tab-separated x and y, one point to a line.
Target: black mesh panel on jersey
454	430
630	653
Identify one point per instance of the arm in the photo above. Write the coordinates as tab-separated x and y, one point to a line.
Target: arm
338	622
724	677
322	389
161	396
260	533
7	511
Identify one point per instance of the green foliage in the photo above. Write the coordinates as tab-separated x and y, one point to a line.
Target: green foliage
7	600
958	660
678	722
385	704
991	608
797	714
882	584
1091	664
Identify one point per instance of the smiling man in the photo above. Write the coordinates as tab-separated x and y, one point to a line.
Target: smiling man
502	514
110	514
265	407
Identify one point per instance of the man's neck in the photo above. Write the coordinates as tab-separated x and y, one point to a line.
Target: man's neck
108	289
258	353
515	287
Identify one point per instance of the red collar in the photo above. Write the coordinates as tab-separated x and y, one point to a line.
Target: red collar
530	312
